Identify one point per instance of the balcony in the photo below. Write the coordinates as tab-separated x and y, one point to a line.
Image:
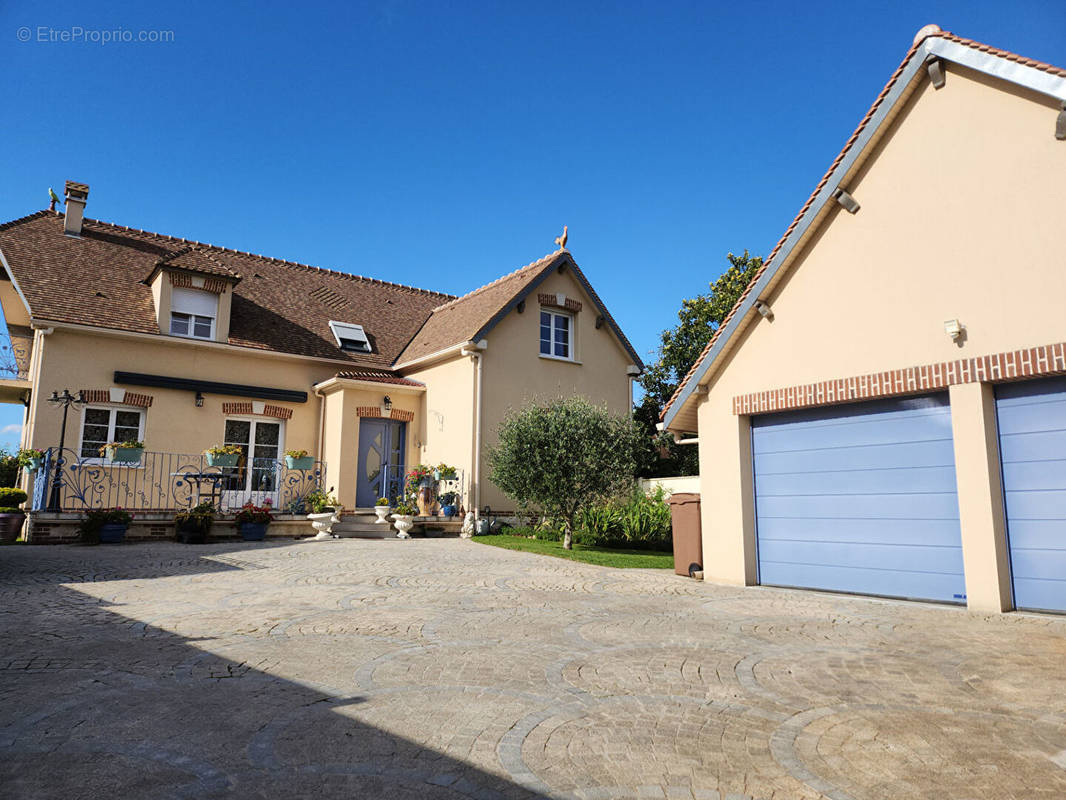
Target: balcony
167	482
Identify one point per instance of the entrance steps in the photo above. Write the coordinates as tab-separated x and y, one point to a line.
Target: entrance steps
362	525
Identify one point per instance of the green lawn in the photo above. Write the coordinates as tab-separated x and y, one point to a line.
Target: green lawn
602	556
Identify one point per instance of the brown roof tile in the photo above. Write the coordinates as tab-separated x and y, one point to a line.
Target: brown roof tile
97	280
377	377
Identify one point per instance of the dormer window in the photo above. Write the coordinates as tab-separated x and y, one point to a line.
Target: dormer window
193	313
350	337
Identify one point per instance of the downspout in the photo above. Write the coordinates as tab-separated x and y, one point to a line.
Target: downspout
475	356
321	422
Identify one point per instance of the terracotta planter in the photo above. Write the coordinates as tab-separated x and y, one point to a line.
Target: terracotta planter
11	526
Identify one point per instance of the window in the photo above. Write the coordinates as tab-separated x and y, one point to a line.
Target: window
100	426
350	337
555	335
192	313
262	441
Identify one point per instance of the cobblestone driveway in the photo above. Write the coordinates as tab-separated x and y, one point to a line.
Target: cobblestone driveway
446	669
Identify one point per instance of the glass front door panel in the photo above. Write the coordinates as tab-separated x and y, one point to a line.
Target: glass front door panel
254	479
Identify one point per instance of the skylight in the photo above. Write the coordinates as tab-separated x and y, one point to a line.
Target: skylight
350	336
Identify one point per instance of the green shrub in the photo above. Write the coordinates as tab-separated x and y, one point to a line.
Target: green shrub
9	468
634	521
11	498
96	518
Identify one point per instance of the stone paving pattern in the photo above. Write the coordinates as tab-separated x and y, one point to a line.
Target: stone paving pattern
447	669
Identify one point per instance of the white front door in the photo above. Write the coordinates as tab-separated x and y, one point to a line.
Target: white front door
255	478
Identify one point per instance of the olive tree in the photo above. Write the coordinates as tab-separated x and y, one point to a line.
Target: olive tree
562	456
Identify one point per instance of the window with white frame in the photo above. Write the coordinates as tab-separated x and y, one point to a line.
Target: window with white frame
102	425
556	335
192	313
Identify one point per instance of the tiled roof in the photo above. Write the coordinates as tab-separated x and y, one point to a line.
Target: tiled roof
377	377
197	259
768	261
98	280
471	316
460	319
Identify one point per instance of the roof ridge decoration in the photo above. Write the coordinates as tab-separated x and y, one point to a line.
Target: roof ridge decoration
925	44
282	261
538	263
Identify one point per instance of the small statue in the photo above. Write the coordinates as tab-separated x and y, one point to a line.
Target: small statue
468	525
561	240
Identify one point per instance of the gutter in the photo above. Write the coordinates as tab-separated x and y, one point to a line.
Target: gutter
459	348
476	356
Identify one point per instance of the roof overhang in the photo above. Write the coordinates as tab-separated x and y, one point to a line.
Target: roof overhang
680	415
336	384
15	390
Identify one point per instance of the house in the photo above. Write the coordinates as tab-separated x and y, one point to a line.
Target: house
185	346
878	414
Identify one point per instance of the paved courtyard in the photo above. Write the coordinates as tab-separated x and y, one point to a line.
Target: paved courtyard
447	669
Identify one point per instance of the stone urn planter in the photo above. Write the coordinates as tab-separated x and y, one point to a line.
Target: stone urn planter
323	522
403	524
383	514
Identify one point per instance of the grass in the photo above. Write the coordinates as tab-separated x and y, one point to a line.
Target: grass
602	556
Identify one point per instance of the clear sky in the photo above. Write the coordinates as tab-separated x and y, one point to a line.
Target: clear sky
443	144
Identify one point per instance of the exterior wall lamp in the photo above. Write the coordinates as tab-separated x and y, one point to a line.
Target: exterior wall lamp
386	406
199	399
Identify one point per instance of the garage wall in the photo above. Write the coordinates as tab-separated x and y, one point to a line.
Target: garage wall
959	218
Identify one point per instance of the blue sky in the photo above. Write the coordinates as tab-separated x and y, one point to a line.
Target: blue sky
443	144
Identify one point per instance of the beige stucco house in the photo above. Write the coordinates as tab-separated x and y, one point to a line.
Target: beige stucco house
187	346
879	413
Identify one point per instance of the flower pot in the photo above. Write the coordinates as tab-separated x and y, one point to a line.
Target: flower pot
33	465
323	522
403	524
383	514
304	462
11	525
449	511
113	533
194	531
445	475
223	459
125	455
253	531
427	482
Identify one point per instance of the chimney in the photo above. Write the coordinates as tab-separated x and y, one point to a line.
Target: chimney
76	195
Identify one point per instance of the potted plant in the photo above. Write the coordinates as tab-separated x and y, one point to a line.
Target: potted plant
226	455
443	472
252	520
11	516
403	518
420	477
324	512
30	459
447	504
298	459
192	525
381	508
128	452
105	525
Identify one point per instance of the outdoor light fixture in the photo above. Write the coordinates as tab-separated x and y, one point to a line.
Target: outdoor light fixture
387	405
953	328
66	400
764	309
199	399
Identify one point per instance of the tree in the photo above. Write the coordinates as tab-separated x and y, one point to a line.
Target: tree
560	457
679	349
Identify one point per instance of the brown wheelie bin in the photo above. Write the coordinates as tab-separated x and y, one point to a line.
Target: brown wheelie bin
687	533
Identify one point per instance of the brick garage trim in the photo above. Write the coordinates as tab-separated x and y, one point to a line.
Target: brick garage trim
1033	362
396	414
246	408
128	398
548	299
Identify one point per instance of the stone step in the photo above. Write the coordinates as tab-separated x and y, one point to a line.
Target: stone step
362	526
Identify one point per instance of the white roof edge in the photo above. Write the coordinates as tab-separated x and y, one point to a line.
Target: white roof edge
988	63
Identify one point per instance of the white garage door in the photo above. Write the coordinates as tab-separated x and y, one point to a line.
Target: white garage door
1032	444
860	498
